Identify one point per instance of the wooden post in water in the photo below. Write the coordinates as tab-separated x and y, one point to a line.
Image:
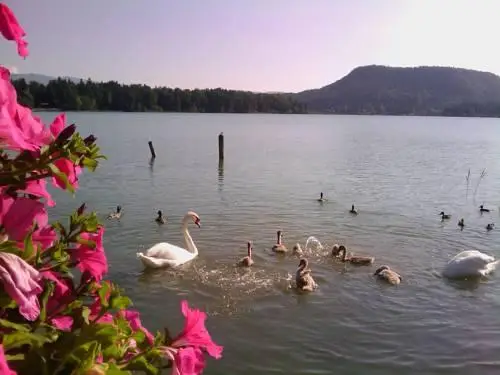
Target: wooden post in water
152	149
221	147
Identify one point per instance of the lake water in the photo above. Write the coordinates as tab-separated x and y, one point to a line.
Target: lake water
400	172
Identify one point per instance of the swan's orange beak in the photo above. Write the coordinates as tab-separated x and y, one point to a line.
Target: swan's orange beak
198	223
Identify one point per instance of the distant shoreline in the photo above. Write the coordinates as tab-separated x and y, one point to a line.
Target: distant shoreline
262	113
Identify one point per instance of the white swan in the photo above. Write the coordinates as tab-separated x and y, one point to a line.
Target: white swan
470	263
164	254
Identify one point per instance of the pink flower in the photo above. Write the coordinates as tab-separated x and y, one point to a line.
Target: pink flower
63	289
195	334
20	281
188	361
71	171
91	261
135	323
58	125
66	166
11	30
4	366
18	214
19	129
38	188
45	236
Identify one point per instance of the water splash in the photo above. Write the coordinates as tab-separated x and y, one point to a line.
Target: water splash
313	245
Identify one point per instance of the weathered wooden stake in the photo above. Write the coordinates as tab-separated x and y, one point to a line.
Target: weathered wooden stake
221	146
152	149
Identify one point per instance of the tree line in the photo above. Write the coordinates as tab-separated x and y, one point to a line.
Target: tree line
87	95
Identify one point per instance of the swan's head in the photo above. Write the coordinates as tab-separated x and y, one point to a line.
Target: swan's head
303	263
196	218
441	213
341	249
380	269
335	249
118	209
160	213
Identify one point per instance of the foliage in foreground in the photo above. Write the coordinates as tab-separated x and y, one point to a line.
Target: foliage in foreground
52	322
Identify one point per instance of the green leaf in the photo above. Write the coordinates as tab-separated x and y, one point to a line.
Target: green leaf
14	357
29	249
91	164
6	302
103	293
49	289
119	302
142	364
112	351
83	241
138	336
86	314
113	369
18	339
17	327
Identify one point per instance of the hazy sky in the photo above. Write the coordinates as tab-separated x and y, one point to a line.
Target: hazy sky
260	45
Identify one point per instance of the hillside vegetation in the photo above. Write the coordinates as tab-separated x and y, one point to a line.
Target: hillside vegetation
386	90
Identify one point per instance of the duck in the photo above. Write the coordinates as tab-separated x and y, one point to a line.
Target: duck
160	219
297	249
321	199
247	261
117	214
357	260
303	278
490	226
353	210
444	216
482	209
386	274
461	223
279	247
469	263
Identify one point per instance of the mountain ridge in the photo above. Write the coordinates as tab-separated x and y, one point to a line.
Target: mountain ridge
422	90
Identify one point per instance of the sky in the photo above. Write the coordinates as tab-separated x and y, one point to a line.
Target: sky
256	45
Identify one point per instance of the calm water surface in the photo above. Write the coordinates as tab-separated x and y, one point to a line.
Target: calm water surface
399	171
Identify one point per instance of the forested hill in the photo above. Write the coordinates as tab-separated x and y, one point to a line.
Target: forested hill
65	94
386	90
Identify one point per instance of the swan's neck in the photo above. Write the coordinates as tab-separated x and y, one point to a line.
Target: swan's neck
344	254
188	239
249	252
279	239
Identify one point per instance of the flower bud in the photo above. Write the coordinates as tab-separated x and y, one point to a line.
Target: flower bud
89	140
66	133
81	210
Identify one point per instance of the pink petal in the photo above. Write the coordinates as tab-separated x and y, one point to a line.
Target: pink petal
70	170
58	124
188	361
4	366
38	188
92	261
18	215
45	236
63	323
20	281
195	334
11	29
